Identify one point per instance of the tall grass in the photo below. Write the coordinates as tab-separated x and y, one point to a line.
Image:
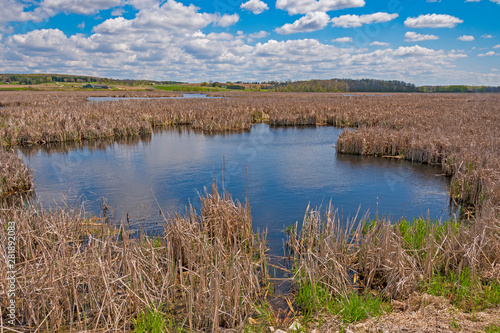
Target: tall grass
15	177
76	273
333	259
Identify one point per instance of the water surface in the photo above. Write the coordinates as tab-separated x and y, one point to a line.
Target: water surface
113	98
280	170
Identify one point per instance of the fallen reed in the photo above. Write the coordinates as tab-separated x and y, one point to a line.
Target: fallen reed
204	273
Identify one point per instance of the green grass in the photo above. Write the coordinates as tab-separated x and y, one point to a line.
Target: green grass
353	307
465	291
493	328
152	321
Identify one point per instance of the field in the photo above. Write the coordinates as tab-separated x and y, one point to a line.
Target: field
208	271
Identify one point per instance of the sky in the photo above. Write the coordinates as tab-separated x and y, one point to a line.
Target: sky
425	42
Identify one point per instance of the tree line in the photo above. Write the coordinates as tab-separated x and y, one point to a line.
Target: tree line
32	79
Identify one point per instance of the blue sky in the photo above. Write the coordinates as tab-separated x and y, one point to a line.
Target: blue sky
418	41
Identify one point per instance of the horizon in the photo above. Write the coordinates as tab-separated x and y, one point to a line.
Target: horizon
426	43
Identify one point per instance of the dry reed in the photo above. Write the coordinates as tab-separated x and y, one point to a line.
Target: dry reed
15	177
394	260
458	131
85	275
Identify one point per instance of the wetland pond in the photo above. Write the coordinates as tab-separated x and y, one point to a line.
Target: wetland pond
280	170
184	96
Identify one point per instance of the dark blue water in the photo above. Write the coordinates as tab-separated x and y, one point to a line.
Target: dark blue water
280	170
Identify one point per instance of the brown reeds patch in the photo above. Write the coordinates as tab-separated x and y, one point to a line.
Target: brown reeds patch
395	260
15	177
458	131
77	273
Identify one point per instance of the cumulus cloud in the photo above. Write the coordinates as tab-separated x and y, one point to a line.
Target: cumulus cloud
14	11
376	43
304	6
227	20
171	16
466	38
432	21
257	35
412	36
118	12
354	21
486	36
343	40
487	54
310	22
403	51
80	7
496	46
167	41
255	6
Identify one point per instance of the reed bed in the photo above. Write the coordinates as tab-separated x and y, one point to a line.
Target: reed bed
335	259
458	131
77	274
15	177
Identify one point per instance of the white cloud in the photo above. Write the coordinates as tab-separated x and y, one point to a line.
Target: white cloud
143	4
255	6
486	36
171	15
487	54
13	11
167	41
81	25
466	38
227	20
80	7
496	46
118	12
193	56
353	21
412	36
257	35
403	51
376	43
343	40
432	21
304	6
310	22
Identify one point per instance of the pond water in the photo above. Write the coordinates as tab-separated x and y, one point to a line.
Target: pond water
111	98
280	170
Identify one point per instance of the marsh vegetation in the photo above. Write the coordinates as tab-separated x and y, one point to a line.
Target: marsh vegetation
208	270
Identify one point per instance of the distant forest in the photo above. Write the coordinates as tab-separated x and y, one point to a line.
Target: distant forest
370	85
32	79
332	85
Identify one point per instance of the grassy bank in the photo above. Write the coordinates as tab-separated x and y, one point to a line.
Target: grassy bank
348	272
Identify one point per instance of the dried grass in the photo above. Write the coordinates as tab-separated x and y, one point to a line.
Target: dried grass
15	177
76	273
394	260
